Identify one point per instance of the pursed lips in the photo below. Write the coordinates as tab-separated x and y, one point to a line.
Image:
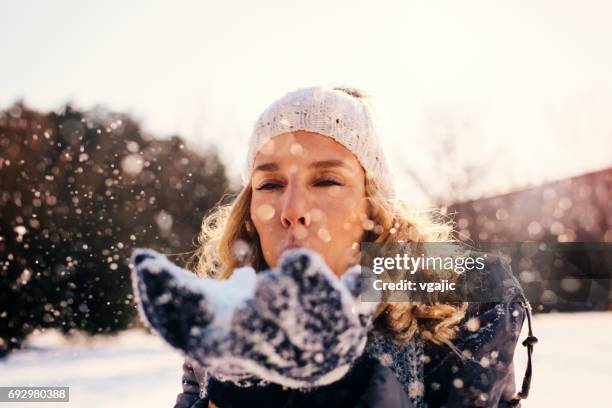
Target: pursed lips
291	244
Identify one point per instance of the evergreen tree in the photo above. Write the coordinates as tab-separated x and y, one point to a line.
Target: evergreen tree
78	191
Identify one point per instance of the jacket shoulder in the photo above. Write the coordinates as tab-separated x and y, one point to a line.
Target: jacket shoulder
484	373
494	282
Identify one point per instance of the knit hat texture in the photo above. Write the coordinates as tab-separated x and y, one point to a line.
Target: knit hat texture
347	119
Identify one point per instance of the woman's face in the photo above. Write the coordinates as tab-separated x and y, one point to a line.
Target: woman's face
308	191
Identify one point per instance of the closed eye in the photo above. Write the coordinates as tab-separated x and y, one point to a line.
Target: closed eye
326	182
269	186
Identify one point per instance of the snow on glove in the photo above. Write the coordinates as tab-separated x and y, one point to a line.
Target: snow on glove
297	325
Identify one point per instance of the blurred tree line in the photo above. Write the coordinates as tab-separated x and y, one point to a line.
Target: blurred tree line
79	190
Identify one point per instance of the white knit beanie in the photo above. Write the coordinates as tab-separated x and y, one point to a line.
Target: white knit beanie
334	113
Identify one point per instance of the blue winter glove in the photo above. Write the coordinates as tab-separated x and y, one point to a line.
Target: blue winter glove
297	325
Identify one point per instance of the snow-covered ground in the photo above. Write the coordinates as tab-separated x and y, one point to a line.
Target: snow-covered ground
572	360
133	369
572	365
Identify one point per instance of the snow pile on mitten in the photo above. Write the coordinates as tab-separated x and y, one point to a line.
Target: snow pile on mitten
297	325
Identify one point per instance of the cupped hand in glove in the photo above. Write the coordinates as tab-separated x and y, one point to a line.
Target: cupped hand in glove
297	325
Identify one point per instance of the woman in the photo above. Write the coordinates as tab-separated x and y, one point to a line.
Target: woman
317	178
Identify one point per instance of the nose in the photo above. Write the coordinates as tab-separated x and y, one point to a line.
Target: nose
294	210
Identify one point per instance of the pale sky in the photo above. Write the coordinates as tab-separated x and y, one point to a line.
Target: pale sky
531	78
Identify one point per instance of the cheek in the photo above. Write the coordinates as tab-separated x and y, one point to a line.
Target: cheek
355	208
264	216
263	211
345	218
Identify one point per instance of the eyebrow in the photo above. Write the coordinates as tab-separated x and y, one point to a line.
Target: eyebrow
321	164
266	167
